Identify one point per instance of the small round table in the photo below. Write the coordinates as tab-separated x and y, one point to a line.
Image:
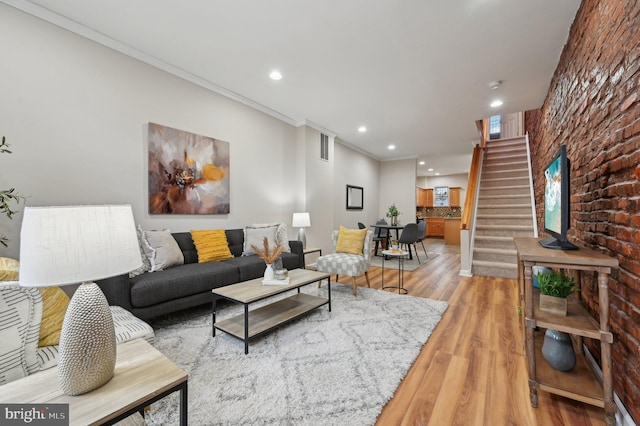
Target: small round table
401	255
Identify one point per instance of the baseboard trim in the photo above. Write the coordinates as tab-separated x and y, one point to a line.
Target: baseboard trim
623	417
465	273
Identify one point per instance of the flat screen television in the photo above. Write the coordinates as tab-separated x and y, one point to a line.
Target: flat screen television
556	202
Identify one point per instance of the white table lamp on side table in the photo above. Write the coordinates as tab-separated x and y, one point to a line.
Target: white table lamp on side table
78	244
301	220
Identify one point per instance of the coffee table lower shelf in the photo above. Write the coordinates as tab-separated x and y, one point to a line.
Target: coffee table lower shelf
268	317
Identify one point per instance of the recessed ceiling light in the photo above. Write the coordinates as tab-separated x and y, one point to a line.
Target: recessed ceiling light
437	174
362	129
275	75
495	84
429	170
421	163
496	103
391	147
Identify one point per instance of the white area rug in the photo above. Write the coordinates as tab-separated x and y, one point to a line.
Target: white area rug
328	368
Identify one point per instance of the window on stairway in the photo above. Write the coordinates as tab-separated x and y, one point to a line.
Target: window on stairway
494	127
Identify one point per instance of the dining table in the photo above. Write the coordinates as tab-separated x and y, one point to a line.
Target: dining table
396	228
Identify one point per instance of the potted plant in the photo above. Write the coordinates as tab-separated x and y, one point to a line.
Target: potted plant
555	287
7	195
393	213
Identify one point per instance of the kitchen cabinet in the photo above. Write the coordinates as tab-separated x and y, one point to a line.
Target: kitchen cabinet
454	196
435	227
452	231
581	383
424	197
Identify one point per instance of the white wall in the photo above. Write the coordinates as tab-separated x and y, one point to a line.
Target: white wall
353	168
398	185
75	114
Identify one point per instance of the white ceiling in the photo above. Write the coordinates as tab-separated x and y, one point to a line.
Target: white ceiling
416	73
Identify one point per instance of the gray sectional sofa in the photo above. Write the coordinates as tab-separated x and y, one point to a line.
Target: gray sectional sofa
158	293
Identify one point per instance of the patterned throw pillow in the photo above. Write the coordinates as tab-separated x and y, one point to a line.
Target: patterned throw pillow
54	306
351	240
211	245
20	316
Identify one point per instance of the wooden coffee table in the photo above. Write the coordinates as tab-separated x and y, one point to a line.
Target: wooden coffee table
265	318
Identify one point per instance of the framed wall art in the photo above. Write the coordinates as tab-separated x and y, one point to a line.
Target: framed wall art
355	197
188	173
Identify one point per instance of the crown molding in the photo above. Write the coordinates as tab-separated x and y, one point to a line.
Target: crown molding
90	34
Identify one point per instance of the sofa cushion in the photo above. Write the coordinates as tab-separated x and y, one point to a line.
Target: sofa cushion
185	242
54	306
235	237
181	281
211	245
162	250
20	315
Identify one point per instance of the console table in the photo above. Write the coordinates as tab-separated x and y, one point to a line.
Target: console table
581	383
142	376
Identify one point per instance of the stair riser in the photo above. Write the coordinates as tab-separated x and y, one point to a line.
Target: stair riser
506	210
503	201
505	174
511	153
507	221
503	166
505	245
504	158
495	257
494	272
503	232
495	183
504	191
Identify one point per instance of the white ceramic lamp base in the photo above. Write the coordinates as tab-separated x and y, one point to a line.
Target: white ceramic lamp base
87	355
302	237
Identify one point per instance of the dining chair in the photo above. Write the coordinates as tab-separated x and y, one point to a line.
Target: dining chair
409	237
381	235
422	234
361	225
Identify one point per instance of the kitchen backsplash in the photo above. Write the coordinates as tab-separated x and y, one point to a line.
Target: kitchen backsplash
440	211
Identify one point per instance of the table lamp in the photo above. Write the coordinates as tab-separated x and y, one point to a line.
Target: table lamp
71	245
301	220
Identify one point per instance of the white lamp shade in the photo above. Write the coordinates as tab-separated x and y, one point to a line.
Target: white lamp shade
301	220
74	244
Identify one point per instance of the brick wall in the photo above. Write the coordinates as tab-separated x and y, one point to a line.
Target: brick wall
593	107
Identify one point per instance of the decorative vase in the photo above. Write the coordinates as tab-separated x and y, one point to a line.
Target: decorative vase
557	349
394	220
269	275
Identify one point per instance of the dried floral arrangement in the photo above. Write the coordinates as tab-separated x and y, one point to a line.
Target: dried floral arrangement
268	256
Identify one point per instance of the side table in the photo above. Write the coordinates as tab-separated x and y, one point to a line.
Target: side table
401	255
142	376
309	250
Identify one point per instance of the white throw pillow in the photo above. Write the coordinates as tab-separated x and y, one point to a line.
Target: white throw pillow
162	250
20	316
146	265
276	233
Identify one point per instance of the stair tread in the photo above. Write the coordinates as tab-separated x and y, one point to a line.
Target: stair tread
504	216
495	250
518	227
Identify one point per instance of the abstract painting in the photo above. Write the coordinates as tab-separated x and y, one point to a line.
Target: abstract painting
188	173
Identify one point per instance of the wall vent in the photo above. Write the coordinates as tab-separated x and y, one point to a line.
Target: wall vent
324	147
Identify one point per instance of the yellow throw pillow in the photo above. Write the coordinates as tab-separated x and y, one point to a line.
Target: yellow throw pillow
211	245
9	269
54	306
351	240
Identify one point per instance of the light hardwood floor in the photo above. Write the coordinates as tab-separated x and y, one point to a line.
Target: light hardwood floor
472	371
